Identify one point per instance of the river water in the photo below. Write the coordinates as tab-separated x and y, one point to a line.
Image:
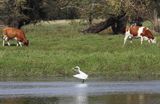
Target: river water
70	92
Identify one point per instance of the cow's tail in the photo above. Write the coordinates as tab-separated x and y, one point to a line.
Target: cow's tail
3	33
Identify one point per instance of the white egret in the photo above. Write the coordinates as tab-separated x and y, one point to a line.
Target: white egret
80	75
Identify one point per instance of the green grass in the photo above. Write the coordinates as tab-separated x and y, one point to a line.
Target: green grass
55	49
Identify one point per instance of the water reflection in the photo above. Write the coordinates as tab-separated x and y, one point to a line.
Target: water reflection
29	101
126	99
77	93
80	96
105	99
140	98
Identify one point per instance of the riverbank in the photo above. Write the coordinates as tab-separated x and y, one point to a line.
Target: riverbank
56	48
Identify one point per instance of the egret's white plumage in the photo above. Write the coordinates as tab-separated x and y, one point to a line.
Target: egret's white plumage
80	75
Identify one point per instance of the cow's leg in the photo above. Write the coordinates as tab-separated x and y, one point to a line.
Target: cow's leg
3	38
149	41
125	38
141	40
20	43
130	37
17	43
8	43
7	40
3	42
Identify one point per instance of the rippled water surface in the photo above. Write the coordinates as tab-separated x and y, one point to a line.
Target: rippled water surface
131	92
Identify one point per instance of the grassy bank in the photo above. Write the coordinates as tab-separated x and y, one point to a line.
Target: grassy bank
56	48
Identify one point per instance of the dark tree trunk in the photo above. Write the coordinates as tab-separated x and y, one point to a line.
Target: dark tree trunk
156	22
118	24
99	27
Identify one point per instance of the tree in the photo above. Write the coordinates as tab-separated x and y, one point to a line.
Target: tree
147	9
156	14
118	24
17	13
112	13
141	9
21	12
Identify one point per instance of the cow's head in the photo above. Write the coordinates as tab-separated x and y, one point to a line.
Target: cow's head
152	41
26	43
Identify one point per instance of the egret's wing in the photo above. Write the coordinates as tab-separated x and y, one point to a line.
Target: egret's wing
83	74
79	76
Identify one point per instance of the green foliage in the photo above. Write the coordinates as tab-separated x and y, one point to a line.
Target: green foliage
108	8
114	6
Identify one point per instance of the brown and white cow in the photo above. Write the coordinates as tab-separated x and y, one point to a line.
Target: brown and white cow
14	33
139	32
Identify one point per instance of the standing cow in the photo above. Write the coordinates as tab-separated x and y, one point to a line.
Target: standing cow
14	33
139	32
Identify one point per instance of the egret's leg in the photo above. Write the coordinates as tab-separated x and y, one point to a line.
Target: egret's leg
83	81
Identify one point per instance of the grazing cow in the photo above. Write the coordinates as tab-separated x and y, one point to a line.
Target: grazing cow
139	32
14	33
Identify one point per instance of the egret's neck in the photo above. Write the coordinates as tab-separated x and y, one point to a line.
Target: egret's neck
79	70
